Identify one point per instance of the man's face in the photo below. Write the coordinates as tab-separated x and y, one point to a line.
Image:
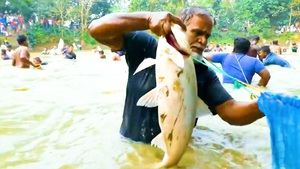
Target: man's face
254	42
25	43
198	31
262	54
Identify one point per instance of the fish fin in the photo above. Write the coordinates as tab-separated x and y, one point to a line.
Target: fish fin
202	109
150	99
158	141
145	64
178	59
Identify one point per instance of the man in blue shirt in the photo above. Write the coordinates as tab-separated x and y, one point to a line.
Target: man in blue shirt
271	58
239	65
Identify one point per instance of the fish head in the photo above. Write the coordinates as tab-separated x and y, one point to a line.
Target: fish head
177	39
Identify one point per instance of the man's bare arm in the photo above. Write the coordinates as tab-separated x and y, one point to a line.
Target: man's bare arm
265	77
109	29
238	113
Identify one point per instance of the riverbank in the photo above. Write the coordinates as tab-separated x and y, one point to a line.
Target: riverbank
40	47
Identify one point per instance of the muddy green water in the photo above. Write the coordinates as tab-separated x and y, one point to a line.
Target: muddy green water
67	116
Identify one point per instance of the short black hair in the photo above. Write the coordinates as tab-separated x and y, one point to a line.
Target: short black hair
275	42
241	45
21	39
265	49
255	37
9	46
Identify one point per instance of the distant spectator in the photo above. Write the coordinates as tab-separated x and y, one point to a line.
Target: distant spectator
45	51
4	56
218	48
5	41
116	56
53	51
9	50
101	52
275	47
294	48
254	48
70	53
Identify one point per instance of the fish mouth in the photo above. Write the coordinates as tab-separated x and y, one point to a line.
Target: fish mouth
173	42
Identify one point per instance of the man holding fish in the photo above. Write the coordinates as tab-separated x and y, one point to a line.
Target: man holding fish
143	116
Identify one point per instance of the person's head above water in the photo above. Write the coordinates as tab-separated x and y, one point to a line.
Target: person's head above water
199	23
3	52
22	40
255	39
275	42
264	52
37	60
8	47
241	45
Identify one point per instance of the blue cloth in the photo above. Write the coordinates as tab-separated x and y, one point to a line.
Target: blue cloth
6	57
273	59
283	115
120	53
230	65
70	55
141	123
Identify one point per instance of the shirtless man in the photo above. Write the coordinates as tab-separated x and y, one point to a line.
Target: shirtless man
21	55
276	48
254	48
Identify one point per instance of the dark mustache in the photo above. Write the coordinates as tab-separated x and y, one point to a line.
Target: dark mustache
198	46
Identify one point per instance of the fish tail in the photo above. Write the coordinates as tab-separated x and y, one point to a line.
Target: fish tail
168	162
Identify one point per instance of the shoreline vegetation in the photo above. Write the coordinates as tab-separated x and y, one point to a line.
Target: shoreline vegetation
40	46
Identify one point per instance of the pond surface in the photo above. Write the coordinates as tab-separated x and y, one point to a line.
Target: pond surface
67	116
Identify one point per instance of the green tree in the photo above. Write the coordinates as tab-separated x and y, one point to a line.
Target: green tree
24	7
275	12
172	6
294	11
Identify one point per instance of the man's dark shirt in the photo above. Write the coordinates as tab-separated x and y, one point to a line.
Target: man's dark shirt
141	123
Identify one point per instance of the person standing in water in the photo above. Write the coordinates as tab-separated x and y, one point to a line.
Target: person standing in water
70	53
276	48
128	32
254	48
21	55
271	58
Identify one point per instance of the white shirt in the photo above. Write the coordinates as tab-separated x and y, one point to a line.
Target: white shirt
10	53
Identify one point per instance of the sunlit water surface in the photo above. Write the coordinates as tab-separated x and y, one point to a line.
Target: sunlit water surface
67	116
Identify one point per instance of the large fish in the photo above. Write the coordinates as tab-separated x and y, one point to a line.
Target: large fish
175	95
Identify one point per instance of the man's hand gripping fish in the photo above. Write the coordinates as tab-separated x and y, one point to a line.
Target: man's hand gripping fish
175	95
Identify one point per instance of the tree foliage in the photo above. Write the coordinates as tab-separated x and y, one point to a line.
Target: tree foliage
239	16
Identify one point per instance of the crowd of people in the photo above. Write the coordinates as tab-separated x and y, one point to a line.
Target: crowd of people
67	51
293	28
12	22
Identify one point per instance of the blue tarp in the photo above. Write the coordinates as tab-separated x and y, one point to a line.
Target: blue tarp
283	115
